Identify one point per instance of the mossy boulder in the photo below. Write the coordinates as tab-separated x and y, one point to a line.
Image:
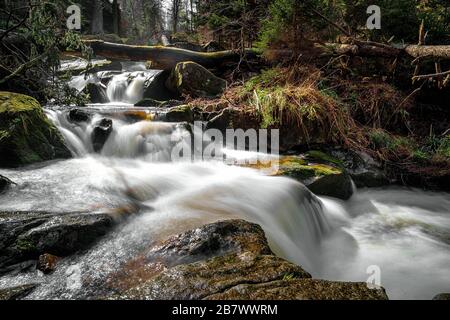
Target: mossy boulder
322	179
26	135
194	80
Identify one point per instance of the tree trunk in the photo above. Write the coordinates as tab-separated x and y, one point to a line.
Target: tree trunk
116	17
165	58
380	50
97	17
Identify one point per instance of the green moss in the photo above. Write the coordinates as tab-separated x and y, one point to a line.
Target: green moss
25	245
13	102
323	157
299	168
26	135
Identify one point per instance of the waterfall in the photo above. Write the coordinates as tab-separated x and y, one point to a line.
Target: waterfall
124	87
398	230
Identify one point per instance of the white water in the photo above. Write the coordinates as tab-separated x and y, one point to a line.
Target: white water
404	232
125	87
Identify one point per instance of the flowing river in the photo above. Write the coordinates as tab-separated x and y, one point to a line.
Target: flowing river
403	233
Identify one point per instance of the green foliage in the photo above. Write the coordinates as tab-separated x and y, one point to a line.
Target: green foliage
289	19
29	64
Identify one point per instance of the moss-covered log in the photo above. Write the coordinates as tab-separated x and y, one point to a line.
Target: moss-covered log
166	58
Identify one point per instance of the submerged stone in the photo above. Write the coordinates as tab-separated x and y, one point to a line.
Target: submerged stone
26	135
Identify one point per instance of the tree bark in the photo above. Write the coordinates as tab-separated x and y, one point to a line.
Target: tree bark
379	50
166	58
116	17
97	17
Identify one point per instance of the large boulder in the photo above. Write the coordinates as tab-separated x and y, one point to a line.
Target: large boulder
156	88
26	135
97	92
219	260
192	79
25	236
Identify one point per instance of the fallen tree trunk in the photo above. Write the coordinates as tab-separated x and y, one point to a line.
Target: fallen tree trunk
381	50
440	52
166	58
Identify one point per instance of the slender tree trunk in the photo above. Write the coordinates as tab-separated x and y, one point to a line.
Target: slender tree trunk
97	17
116	17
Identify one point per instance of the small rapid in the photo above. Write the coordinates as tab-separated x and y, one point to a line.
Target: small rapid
405	233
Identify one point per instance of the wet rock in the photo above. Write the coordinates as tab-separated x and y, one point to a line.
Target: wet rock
47	263
77	115
97	92
224	260
101	133
27	235
301	289
364	170
16	293
26	135
15	269
180	114
5	183
322	179
192	79
233	236
201	279
156	88
442	296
